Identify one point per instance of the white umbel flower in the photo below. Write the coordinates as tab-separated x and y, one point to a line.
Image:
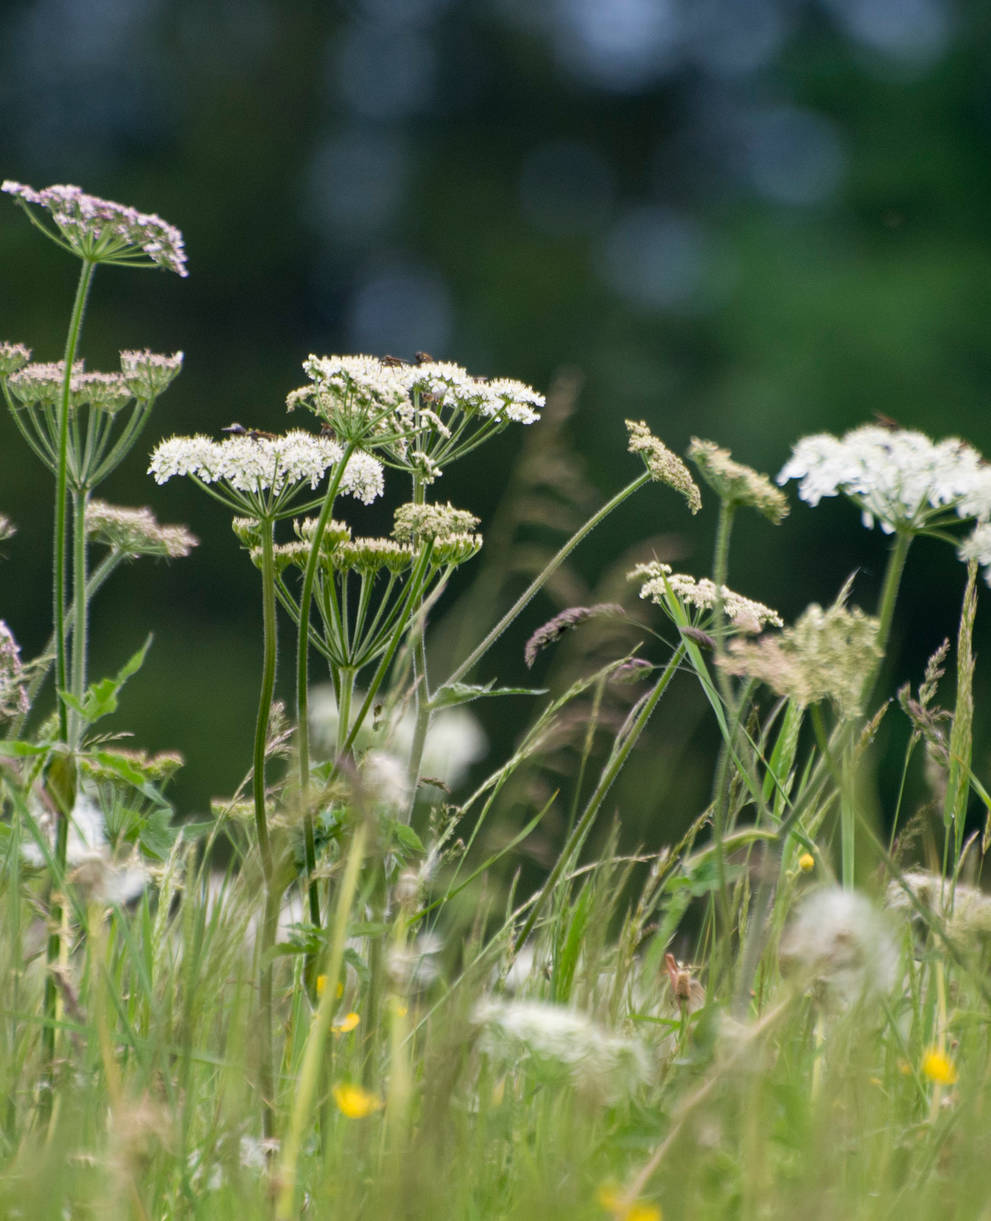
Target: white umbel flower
898	477
253	464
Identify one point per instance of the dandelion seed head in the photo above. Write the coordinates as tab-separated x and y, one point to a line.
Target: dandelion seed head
840	942
519	1030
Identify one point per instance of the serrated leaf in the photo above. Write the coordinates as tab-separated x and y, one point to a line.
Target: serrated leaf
101	698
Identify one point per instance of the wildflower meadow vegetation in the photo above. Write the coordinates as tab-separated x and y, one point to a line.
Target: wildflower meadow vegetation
337	996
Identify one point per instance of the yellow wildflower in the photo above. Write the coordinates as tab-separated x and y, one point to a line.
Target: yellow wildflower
806	862
612	1200
354	1102
322	986
346	1024
938	1067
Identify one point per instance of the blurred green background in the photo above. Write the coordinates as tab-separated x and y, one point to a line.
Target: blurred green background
741	219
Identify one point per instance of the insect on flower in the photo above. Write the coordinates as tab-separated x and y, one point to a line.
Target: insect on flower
239	430
394	362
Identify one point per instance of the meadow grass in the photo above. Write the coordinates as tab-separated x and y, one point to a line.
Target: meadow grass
337	996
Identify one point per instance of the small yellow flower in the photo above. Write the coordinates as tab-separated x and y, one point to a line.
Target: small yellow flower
611	1199
938	1067
806	862
397	1006
322	986
346	1024
354	1102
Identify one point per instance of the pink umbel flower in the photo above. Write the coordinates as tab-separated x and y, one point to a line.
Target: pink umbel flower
101	230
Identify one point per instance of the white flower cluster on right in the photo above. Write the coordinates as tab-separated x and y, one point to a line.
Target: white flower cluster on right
900	479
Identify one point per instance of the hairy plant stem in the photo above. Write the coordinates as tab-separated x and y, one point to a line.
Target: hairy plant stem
627	738
421	690
266	1075
61	670
80	611
302	680
720	572
61	491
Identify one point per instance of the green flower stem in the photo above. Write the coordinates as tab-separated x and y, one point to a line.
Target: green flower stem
622	747
543	577
80	612
421	689
302	677
886	606
61	485
269	660
55	940
345	696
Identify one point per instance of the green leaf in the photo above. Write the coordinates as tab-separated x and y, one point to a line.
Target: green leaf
408	838
101	699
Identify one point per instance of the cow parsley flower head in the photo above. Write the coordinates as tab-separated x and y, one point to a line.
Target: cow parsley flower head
356	397
415	522
898	477
149	373
13	692
135	532
662	465
261	473
735	483
102	231
660	583
13	356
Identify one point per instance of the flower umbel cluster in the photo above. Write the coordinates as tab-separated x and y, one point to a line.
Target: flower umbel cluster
826	655
660	583
899	478
662	465
13	693
135	532
147	374
417	415
254	464
735	483
102	231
